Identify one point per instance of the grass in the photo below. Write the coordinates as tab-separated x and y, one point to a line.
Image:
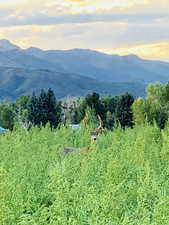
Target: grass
123	181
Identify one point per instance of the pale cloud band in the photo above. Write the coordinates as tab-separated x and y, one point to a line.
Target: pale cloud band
148	51
43	19
42	12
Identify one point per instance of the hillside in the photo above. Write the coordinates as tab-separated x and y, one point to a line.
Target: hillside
74	72
106	67
17	81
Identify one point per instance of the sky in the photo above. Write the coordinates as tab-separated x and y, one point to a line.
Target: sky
121	27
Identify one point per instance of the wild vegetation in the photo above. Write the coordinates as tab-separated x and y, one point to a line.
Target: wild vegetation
123	180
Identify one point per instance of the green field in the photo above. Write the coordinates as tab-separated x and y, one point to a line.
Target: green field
123	181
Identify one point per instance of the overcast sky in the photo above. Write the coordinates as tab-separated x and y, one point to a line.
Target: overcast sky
114	26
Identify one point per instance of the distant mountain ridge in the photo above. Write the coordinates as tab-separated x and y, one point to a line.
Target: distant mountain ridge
74	72
6	45
16	82
104	67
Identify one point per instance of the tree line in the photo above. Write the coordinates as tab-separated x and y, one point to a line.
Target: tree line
124	110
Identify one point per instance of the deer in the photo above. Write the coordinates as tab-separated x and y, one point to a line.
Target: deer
98	130
93	136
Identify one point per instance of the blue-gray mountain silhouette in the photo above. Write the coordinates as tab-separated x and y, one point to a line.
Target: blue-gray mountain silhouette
74	72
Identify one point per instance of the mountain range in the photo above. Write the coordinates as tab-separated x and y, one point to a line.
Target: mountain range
74	72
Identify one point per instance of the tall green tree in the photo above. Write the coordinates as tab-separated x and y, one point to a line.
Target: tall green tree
34	110
155	107
7	115
93	102
43	107
123	112
53	109
140	110
110	120
110	105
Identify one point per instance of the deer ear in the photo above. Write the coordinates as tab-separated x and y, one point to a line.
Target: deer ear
100	121
85	122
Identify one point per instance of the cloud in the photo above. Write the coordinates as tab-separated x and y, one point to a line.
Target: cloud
71	6
65	36
88	35
42	12
43	19
158	50
95	24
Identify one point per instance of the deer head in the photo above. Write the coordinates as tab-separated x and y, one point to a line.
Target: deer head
94	136
98	130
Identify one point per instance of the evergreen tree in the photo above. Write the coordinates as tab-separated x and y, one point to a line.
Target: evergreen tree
43	107
123	113
93	102
110	120
34	110
7	115
110	105
54	109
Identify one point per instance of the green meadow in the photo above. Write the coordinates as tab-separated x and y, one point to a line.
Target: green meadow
123	180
